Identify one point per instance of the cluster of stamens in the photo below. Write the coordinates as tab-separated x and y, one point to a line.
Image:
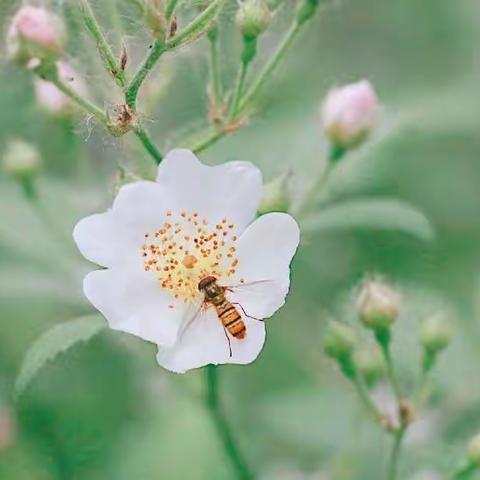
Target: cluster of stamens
185	249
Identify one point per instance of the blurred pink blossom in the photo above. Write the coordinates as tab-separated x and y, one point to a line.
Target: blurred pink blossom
51	98
34	33
349	113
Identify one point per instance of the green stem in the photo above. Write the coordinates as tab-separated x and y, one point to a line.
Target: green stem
265	74
109	60
392	469
310	197
197	26
89	107
158	48
366	400
171	5
151	148
116	20
237	91
211	136
223	429
213	64
392	377
383	338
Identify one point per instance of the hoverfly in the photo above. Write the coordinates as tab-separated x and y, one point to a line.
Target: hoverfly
227	312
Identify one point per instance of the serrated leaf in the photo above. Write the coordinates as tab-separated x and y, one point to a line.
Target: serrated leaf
377	213
51	343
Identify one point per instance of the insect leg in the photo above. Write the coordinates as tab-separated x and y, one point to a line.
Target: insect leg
246	314
228	340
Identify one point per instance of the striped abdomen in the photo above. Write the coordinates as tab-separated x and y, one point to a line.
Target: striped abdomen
231	319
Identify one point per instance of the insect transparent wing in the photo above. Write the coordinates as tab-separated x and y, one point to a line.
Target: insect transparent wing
189	322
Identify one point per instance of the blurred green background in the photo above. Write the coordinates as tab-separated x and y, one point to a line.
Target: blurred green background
105	410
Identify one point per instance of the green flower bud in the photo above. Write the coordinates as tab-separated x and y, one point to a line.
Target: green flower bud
370	364
21	159
276	195
339	340
473	451
253	17
435	333
377	305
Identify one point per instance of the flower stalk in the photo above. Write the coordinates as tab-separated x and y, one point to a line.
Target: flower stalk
111	64
230	445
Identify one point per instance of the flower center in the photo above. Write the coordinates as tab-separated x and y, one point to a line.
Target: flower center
186	249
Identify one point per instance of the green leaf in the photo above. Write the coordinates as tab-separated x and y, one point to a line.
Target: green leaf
51	343
377	213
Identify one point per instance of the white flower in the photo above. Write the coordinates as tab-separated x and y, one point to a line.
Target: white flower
161	238
349	113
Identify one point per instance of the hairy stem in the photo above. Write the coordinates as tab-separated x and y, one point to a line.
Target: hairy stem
197	26
89	107
224	431
170	8
109	60
392	469
272	64
214	67
150	147
157	50
366	400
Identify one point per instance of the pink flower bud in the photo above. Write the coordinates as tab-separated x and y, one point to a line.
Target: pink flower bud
50	98
34	33
349	113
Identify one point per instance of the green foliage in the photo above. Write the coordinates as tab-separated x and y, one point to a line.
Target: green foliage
372	213
53	342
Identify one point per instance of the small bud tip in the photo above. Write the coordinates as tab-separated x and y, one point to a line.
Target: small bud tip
253	17
377	305
349	114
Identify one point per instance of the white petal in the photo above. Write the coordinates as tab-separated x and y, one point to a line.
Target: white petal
116	236
232	190
204	342
103	240
134	303
142	206
265	251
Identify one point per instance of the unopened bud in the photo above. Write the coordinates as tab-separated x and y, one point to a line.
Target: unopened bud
349	114
253	17
377	305
156	18
51	99
276	195
21	159
435	333
473	451
370	364
34	33
339	340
